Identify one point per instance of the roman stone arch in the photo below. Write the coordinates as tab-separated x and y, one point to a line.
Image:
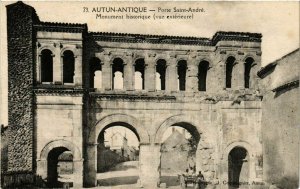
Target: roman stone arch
122	120
207	59
67	48
138	56
205	157
116	56
43	47
180	120
160	56
61	145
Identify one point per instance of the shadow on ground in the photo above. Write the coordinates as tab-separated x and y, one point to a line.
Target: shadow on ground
170	180
114	181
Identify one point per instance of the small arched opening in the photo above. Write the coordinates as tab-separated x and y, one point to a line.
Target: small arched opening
202	75
46	66
68	67
118	74
229	67
249	62
59	167
139	74
161	67
95	73
238	167
181	71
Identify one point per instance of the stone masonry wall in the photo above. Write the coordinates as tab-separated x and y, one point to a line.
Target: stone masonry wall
281	133
20	19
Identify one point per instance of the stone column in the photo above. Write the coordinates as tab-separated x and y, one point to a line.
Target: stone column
90	166
238	70
192	74
57	67
128	74
171	75
150	72
38	68
149	165
41	168
106	73
78	173
78	67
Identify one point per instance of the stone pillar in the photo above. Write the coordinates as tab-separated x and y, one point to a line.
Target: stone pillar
149	165
106	73
128	74
78	68
57	66
41	168
78	173
171	75
192	74
238	80
38	68
150	72
90	166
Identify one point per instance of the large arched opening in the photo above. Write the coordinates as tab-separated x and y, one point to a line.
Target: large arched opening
179	142
118	154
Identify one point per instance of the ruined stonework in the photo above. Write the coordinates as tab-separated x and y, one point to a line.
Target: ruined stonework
68	85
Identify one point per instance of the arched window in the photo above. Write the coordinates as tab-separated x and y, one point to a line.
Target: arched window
139	74
202	74
181	71
95	73
229	66
68	67
46	66
161	74
247	74
117	74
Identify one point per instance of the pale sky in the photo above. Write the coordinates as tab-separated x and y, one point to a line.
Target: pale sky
277	21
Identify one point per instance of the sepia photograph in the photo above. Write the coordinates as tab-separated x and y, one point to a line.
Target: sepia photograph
150	94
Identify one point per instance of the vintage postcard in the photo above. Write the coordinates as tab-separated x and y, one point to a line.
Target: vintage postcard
150	94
